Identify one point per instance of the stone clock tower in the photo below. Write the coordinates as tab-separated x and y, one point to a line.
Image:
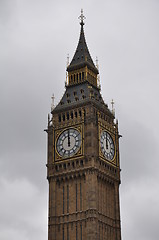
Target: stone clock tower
83	168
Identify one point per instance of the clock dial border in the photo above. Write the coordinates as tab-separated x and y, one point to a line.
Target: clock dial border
101	154
108	147
79	152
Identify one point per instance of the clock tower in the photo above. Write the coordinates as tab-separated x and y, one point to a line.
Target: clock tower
83	168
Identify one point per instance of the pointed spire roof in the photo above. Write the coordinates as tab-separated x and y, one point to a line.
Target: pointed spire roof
82	56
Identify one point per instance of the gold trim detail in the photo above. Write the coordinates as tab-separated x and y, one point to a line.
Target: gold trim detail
80	152
101	155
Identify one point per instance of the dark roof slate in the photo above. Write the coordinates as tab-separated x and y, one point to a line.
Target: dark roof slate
78	94
82	56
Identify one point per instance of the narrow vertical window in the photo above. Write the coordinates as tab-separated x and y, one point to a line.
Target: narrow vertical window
63	199
63	233
67	198
82	75
76	197
67	232
80	196
76	233
81	230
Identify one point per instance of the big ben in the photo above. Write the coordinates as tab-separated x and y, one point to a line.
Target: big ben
83	167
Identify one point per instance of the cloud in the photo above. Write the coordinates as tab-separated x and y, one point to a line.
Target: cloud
25	210
7	7
140	210
139	151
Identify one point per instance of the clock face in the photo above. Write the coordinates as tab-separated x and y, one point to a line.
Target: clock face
107	145
68	143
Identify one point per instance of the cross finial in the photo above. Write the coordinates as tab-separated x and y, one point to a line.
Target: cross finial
82	17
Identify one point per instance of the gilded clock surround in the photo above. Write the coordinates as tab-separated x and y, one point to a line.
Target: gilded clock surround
114	160
107	145
79	153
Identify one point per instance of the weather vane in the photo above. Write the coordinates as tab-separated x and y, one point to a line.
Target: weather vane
82	17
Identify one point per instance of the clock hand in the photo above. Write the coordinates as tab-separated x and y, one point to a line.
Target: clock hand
68	138
106	141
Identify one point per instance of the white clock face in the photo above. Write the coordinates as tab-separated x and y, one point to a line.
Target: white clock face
68	142
107	145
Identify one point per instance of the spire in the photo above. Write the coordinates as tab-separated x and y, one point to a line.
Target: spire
82	56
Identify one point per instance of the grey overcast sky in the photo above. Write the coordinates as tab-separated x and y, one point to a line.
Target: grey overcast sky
35	38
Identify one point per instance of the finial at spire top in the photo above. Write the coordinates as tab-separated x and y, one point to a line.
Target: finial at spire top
82	17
